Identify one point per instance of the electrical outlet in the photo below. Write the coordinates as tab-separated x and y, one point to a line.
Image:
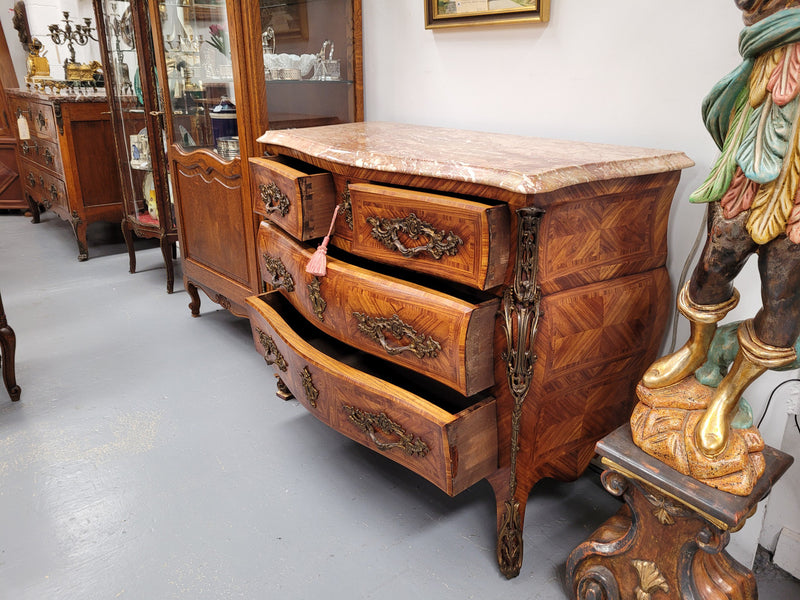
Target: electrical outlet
793	400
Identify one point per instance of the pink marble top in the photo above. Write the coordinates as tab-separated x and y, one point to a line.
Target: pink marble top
517	163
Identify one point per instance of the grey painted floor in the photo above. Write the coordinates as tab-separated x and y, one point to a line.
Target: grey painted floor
150	459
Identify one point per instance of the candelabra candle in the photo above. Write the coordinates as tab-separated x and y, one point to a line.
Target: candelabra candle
71	34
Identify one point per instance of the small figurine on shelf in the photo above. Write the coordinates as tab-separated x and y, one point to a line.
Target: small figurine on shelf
37	64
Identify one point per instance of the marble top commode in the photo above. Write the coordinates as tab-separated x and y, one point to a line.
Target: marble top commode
520	164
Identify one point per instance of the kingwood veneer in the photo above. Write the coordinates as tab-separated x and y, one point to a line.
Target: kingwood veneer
490	301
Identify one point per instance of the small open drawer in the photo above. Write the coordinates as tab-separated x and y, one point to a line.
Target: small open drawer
452	443
449	237
294	195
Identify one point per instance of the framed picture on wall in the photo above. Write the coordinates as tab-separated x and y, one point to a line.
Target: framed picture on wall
288	20
457	13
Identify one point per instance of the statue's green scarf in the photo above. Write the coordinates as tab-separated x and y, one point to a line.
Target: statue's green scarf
776	30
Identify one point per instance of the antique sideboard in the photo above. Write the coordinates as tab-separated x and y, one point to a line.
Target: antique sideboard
65	157
489	304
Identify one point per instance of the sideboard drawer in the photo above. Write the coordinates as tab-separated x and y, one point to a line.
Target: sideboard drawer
452	443
40	118
44	188
438	335
300	201
43	152
456	239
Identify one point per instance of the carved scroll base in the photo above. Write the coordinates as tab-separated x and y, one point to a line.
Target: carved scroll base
668	540
654	548
663	425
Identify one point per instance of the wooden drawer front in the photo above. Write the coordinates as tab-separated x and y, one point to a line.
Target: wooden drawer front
43	152
40	118
435	334
448	237
452	450
301	203
43	186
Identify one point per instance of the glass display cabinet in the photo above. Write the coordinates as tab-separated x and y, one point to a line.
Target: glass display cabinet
229	71
132	88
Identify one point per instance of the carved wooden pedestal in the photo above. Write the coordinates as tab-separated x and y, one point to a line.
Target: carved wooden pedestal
669	539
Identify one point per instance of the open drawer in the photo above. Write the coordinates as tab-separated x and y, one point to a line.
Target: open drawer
452	443
296	196
440	335
445	236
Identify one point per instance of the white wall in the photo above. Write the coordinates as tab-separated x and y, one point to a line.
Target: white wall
630	72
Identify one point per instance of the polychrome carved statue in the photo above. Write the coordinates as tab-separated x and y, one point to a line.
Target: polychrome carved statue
753	192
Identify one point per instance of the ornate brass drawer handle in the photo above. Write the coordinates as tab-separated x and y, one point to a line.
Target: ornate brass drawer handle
31	180
20	111
41	121
48	156
26	147
281	278
274	199
375	328
53	192
371	423
387	231
271	353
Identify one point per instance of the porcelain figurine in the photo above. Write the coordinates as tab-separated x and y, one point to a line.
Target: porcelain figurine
753	193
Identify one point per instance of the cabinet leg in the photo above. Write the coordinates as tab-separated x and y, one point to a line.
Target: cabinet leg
194	305
166	252
128	236
8	345
80	234
34	208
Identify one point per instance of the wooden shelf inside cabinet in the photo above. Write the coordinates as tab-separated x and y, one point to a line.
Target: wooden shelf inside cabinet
555	251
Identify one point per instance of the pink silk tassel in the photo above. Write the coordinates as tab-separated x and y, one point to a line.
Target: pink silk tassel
318	263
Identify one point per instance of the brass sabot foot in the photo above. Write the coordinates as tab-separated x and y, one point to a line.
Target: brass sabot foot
703	319
754	357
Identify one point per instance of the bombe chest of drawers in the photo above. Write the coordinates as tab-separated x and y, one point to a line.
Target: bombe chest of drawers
489	304
66	158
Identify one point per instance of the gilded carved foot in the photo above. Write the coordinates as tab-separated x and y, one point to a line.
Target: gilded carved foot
664	424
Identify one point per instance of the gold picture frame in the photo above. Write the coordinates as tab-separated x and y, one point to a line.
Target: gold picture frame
458	13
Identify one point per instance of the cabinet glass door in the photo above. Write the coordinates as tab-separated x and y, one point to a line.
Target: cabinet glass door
199	73
131	105
311	51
